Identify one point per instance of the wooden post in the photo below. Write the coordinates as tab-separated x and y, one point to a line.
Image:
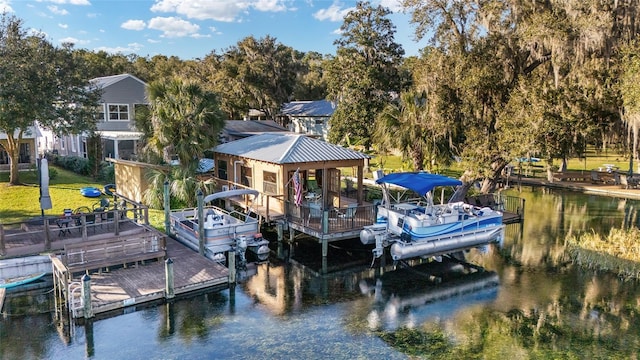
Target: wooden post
116	222
3	249
292	236
200	197
232	267
325	248
167	209
47	235
83	220
169	288
86	296
325	221
280	231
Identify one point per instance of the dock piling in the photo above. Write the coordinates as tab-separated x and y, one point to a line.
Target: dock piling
86	296
232	267
169	282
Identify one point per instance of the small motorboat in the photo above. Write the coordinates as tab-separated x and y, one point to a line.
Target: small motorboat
90	192
223	230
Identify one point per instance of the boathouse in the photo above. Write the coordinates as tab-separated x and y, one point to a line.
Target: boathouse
301	183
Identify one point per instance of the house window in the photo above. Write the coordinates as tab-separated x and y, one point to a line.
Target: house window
118	112
222	169
62	139
270	182
84	148
100	113
245	176
319	121
25	154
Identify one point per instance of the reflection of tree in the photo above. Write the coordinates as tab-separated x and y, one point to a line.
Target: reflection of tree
552	214
16	334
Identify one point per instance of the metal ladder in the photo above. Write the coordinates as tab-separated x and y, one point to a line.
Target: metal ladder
75	298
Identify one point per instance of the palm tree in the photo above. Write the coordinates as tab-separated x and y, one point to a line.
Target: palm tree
186	121
407	126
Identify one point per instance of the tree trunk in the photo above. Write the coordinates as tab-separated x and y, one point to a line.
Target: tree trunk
13	150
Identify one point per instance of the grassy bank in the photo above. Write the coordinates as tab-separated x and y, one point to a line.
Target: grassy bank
618	252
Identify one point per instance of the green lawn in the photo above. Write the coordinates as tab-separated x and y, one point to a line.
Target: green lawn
21	202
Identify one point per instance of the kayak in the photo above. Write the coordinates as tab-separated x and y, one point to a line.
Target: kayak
22	281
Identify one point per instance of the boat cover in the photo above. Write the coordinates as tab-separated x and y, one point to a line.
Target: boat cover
230	193
420	182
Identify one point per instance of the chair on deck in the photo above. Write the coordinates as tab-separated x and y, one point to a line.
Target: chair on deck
315	212
90	217
349	213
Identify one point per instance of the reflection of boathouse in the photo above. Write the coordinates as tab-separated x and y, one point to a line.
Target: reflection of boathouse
329	208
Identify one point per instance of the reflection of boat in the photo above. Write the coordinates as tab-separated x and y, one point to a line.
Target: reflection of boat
397	304
21	281
223	230
421	228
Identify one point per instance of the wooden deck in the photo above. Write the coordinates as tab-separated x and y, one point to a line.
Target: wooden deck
122	288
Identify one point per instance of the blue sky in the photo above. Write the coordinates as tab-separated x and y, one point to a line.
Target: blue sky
194	28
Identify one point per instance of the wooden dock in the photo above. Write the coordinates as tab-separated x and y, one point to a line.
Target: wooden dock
124	287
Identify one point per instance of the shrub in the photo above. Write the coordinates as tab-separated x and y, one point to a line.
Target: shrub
107	172
76	164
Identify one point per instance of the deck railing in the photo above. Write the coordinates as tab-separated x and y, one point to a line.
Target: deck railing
330	220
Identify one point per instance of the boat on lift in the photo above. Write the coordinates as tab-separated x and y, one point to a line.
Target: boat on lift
420	228
223	230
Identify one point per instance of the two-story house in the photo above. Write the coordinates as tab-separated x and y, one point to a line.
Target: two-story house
307	117
121	94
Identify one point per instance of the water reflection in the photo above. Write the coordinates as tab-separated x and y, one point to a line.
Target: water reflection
529	302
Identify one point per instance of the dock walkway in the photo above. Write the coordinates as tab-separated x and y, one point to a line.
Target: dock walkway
125	287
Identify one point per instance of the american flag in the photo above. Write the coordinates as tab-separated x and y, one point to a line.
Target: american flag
297	187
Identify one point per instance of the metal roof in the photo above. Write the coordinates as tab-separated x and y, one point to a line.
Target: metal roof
103	82
251	127
308	108
288	149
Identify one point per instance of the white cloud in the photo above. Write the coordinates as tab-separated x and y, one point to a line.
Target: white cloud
63	26
133	25
269	5
393	5
333	13
172	27
153	41
226	11
74	41
70	2
130	48
219	10
56	10
5	6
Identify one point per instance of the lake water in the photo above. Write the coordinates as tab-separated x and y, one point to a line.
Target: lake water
529	302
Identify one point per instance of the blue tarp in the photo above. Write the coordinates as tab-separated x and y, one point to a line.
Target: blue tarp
420	182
